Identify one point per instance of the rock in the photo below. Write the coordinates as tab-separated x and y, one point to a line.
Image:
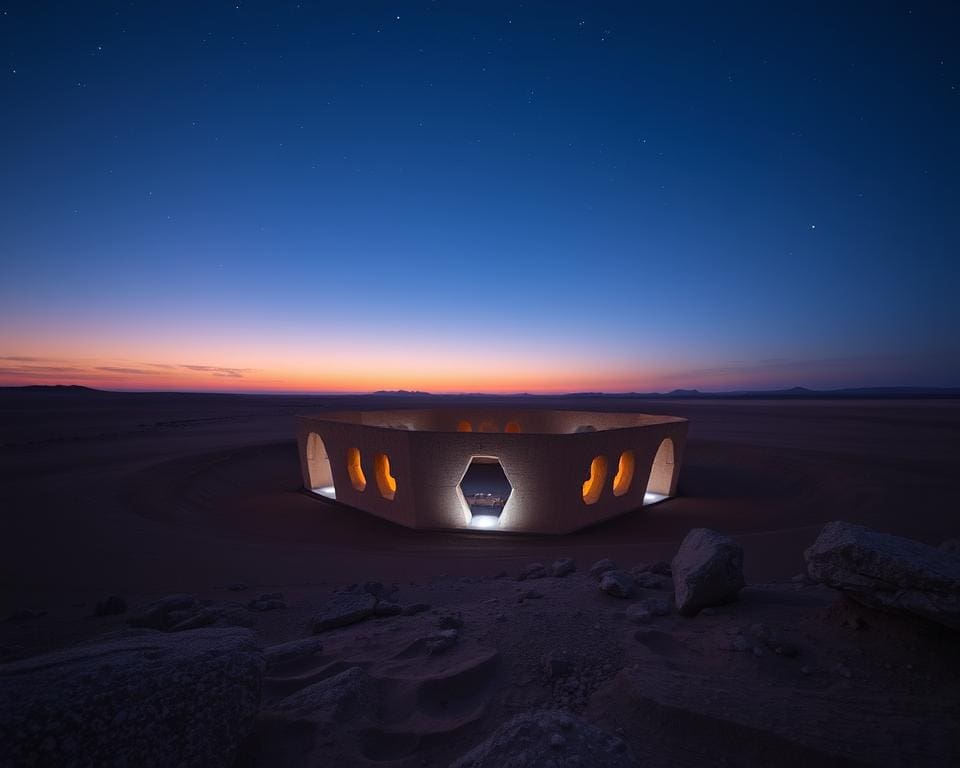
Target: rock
165	612
617	583
530	594
268	602
707	570
647	580
337	699
887	572
112	606
294	649
549	738
344	608
127	700
415	608
601	567
533	571
563	566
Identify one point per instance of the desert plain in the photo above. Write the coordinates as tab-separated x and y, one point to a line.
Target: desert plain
143	496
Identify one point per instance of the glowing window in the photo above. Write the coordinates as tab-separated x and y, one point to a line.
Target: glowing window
464	426
386	482
593	486
512	426
624	477
487	426
357	478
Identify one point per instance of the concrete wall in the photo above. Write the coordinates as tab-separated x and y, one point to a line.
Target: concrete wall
546	462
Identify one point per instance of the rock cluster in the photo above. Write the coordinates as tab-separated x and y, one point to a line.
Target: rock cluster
357	603
176	613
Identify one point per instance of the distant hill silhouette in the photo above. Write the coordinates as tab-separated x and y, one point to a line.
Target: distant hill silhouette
793	393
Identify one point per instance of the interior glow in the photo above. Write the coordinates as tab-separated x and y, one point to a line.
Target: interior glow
464	426
386	482
487	426
593	486
512	426
486	522
355	470
624	476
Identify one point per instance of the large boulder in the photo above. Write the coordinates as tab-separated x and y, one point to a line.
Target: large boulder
141	697
887	572
707	570
551	738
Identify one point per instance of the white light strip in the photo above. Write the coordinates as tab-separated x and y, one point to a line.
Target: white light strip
327	491
652	498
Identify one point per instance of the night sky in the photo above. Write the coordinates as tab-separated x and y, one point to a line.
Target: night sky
307	196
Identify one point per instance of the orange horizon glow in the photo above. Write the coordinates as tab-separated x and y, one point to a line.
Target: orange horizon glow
353	376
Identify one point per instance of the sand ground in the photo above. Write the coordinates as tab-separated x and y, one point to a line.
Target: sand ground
145	495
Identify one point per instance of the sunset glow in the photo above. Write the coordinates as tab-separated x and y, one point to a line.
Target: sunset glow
463	202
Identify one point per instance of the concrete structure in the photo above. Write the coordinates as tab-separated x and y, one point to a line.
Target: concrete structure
566	469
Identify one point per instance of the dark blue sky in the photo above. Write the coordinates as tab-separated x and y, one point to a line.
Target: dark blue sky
536	196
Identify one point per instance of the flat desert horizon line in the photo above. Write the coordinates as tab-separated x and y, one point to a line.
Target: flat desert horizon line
799	392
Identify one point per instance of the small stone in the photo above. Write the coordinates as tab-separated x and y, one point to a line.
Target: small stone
415	608
344	608
533	571
601	567
647	580
557	741
295	649
563	566
617	584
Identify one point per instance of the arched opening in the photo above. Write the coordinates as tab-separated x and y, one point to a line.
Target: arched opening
464	426
487	426
485	489
357	479
624	477
512	427
593	486
318	467
386	482
661	474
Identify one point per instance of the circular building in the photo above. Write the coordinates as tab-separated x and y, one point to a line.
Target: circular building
535	471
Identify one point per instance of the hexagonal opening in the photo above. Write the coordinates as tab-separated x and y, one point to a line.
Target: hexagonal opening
486	490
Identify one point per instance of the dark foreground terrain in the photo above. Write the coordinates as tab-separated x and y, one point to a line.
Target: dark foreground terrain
148	496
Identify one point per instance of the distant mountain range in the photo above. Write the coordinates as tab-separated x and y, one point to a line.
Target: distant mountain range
793	393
